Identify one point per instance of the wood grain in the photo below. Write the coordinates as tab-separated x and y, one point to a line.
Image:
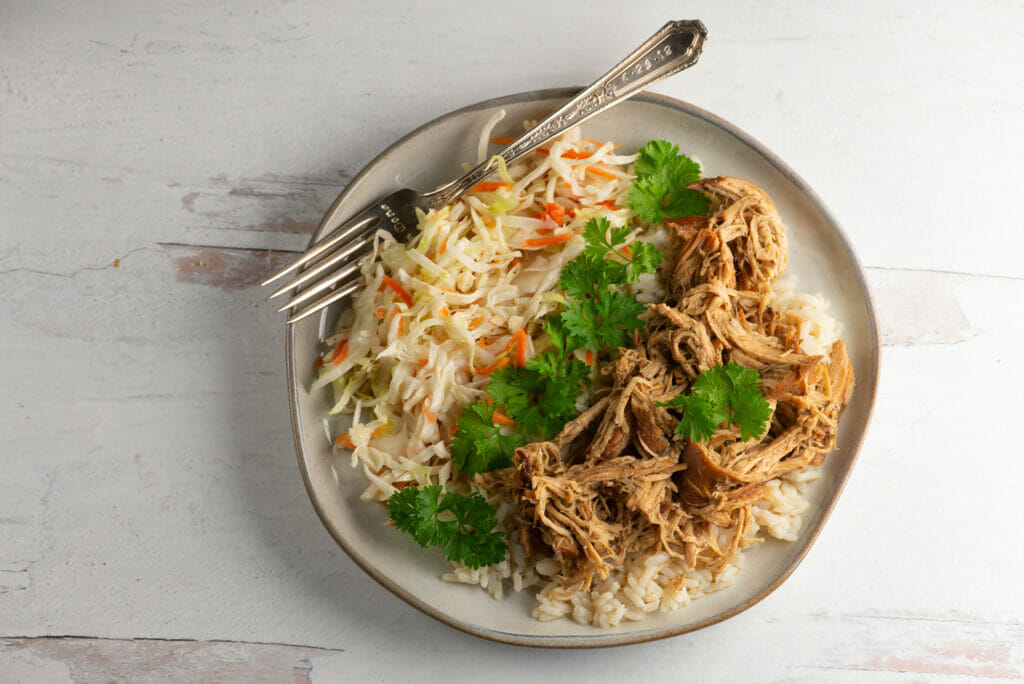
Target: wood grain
156	161
224	267
156	660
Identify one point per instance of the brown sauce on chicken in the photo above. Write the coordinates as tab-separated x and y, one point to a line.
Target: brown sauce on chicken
617	481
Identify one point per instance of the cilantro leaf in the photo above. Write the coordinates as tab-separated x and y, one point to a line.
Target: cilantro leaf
657	197
659	155
414	511
627	263
601	237
744	404
580	319
540	404
479	445
646	259
586	276
403	509
700	417
723	394
618	316
468	537
561	341
751	411
660	191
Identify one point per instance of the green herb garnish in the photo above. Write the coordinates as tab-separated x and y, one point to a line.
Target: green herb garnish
461	524
598	316
541	396
479	445
659	191
723	394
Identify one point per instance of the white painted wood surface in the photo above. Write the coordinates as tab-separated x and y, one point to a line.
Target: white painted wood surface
152	521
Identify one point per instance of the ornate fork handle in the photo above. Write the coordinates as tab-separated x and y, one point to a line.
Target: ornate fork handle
676	46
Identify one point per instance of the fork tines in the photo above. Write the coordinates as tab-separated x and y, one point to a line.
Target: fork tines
340	250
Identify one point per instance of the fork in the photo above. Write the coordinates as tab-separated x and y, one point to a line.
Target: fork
333	261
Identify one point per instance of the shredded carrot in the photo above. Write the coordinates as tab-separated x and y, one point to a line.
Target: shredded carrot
475	322
555	211
444	311
399	290
601	172
626	251
488	186
607	203
424	362
484	341
547	241
573	154
520	338
502	140
487	370
543	150
318	363
444	244
380	312
340	352
400	485
515	260
545	231
428	413
590	358
400	321
344	440
382	287
501	419
377	432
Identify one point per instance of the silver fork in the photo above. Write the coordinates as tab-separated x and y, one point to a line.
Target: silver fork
334	260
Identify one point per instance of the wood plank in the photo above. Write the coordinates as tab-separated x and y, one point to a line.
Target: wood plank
154	660
224	267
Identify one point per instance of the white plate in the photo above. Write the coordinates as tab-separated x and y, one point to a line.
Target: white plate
819	256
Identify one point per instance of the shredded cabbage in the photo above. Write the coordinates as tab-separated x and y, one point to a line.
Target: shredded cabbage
409	370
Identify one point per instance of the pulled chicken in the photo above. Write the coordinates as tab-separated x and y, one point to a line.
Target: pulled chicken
617	482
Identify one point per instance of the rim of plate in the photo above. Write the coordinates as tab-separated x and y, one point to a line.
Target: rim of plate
602	640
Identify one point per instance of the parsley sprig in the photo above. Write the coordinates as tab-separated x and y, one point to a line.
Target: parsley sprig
541	396
599	316
461	524
659	191
479	445
722	394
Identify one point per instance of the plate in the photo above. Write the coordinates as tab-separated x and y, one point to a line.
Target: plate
820	257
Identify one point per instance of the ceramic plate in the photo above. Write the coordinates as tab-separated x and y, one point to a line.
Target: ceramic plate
820	257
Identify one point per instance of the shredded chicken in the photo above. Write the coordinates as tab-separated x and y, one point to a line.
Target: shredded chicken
617	481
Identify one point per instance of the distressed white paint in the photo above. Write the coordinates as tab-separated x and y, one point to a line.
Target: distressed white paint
149	488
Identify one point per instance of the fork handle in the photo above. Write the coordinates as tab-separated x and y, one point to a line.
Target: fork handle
676	46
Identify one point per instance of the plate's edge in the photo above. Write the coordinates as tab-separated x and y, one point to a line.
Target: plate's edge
601	640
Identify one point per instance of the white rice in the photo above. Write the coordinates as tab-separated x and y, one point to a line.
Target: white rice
661	582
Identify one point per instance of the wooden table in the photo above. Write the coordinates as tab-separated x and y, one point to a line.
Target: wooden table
157	160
